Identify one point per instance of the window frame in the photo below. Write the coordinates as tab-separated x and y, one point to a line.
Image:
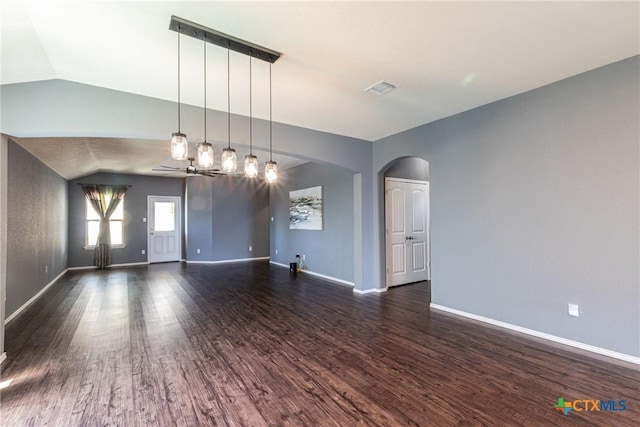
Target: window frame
87	220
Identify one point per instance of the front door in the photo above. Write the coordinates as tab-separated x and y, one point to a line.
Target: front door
164	229
406	231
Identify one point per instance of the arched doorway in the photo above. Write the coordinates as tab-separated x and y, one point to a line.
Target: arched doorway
405	183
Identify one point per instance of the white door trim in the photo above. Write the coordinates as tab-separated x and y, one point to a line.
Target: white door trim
387	244
178	200
410	181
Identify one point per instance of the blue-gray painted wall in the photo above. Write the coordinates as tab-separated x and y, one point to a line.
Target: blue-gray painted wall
222	217
135	209
409	168
534	199
226	215
70	109
535	204
4	152
36	226
328	251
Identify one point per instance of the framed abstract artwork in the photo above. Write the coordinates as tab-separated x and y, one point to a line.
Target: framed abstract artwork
305	209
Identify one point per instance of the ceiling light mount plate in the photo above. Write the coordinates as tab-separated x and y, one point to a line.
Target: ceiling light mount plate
201	32
381	87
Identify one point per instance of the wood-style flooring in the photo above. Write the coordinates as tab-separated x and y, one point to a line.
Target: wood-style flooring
249	344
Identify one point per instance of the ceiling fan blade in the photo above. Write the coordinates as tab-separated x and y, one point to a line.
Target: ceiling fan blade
209	174
171	175
168	170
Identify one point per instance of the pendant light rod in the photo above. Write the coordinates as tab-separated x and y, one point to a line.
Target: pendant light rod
179	144
250	161
205	89
228	101
178	79
221	39
229	159
250	108
270	119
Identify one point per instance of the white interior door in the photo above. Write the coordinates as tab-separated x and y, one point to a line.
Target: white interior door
164	229
406	231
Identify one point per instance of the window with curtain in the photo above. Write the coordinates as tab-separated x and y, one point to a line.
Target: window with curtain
104	200
93	225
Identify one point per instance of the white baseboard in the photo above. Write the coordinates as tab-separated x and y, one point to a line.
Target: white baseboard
34	298
369	291
279	264
3	357
129	264
322	276
91	267
226	261
81	268
538	334
329	278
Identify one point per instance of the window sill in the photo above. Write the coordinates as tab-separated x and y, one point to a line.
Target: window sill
92	247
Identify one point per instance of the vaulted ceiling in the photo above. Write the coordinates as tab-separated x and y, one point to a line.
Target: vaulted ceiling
447	57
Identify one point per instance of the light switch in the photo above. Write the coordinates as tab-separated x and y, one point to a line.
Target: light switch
574	310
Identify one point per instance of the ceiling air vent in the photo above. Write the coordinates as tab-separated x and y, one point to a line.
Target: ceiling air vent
381	88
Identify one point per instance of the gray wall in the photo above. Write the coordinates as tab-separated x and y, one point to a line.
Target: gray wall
330	251
4	148
226	215
71	109
135	209
535	204
409	168
36	226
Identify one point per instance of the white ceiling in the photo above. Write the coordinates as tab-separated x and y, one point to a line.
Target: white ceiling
448	57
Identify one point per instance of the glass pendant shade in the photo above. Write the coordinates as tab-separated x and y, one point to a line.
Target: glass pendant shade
179	146
205	155
271	172
250	166
229	160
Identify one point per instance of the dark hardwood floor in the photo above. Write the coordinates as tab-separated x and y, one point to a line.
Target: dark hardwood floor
249	345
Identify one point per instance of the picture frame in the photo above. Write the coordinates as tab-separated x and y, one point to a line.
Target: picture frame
306	209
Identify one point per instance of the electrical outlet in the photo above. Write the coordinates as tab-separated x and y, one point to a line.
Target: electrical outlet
250	248
304	257
143	252
574	310
46	268
197	251
276	252
271	219
144	219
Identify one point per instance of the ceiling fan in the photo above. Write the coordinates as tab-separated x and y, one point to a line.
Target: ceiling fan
190	170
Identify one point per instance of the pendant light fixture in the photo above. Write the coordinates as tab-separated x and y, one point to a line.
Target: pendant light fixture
250	161
179	144
205	149
270	167
229	159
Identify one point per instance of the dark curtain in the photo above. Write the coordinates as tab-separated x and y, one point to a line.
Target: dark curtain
98	196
